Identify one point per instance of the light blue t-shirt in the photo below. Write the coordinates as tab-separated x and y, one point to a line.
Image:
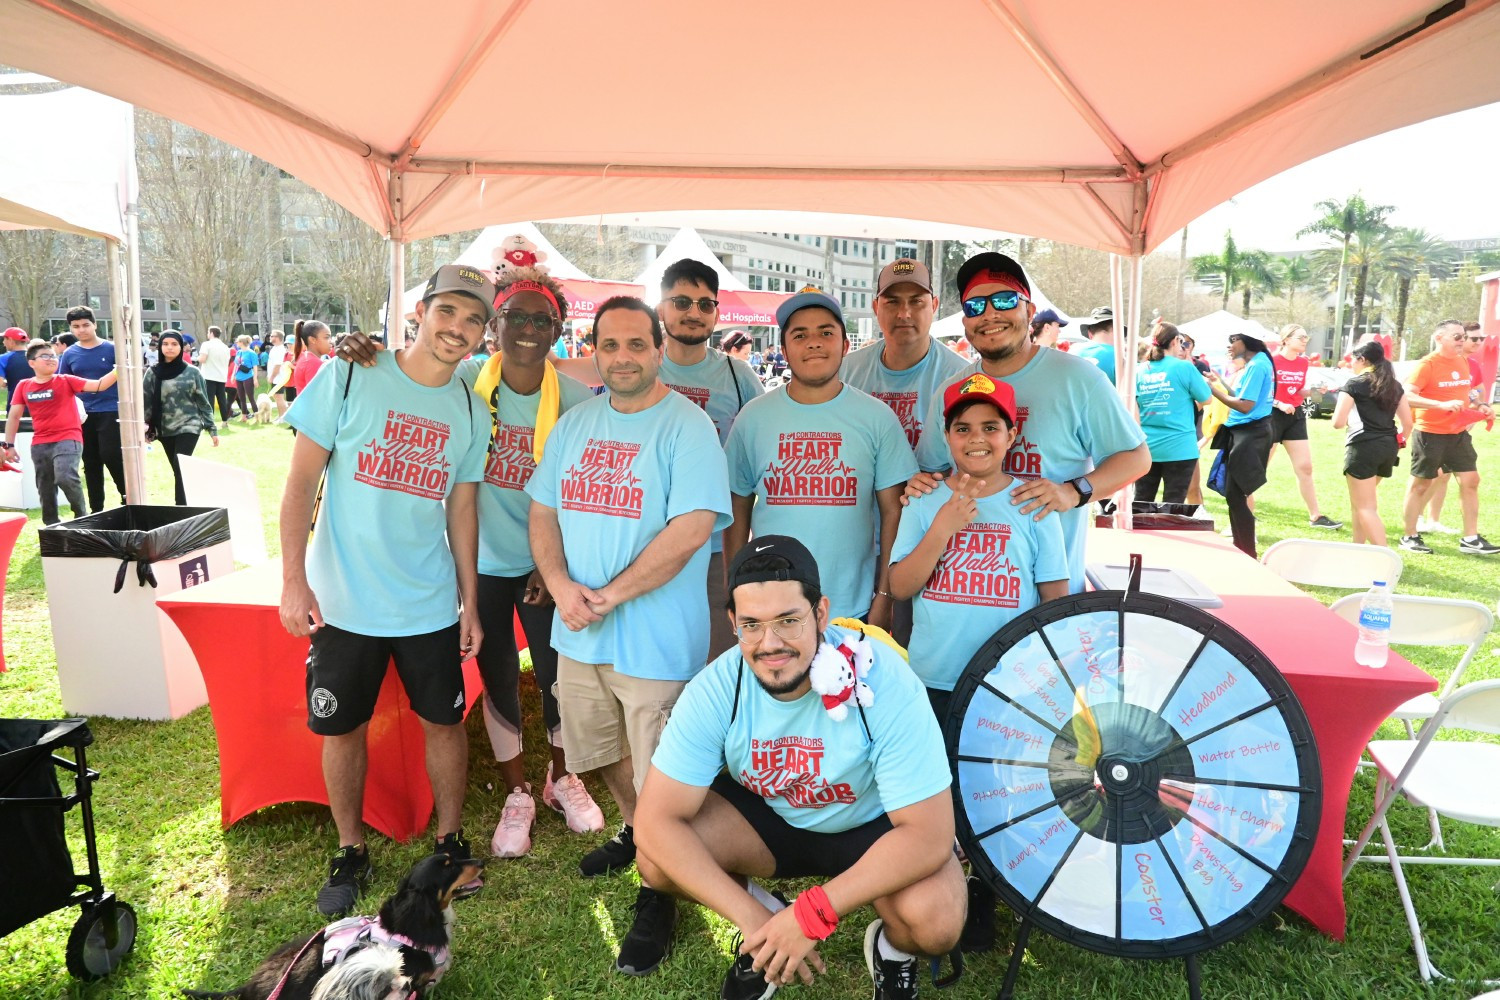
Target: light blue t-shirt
721	385
815	773
92	363
615	480
1069	420
908	392
1257	382
245	363
987	575
1099	354
379	561
1165	392
504	507
814	470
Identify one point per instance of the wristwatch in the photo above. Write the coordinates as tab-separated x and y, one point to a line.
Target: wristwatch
1085	490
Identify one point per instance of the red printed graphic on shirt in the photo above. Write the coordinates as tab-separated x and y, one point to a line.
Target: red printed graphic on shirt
975	569
696	393
791	767
1024	460
600	481
904	405
1291	378
409	457
510	462
808	472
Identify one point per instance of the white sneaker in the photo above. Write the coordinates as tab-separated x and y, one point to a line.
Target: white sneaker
568	796
513	836
1426	527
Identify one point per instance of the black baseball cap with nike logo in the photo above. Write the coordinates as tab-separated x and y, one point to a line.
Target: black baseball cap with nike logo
778	557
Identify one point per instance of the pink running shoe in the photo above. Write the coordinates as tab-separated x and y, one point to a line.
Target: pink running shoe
513	836
568	796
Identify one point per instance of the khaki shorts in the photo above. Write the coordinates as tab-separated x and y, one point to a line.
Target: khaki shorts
608	716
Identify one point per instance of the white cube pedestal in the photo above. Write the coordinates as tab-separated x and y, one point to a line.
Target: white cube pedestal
118	655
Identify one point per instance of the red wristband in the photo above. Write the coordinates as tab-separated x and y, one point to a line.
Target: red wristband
815	914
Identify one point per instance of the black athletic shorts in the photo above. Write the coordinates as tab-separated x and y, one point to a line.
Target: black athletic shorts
1288	426
345	670
1434	453
800	853
289	393
1367	457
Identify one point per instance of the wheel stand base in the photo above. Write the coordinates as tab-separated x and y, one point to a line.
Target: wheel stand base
1018	954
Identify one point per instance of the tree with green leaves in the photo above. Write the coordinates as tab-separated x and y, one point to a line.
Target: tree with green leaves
1341	223
1413	254
1295	274
1251	273
1219	269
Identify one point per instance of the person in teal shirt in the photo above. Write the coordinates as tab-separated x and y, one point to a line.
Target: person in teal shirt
823	461
1168	392
1246	435
806	752
1100	350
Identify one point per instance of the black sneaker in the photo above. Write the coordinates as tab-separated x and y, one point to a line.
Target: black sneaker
1324	521
893	980
1477	546
456	847
615	854
349	875
650	937
979	926
1414	543
742	982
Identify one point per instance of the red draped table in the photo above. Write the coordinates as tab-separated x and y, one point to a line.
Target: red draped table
255	674
10	530
1314	650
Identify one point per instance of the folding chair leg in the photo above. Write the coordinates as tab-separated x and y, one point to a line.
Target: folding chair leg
1424	965
1436	843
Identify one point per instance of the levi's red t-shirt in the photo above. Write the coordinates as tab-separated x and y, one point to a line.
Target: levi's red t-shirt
53	407
1291	377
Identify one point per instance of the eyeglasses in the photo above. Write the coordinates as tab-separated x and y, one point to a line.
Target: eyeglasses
1003	301
45	357
784	628
682	303
517	320
1476	340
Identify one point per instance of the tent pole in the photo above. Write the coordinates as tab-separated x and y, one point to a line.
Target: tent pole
395	313
128	359
1117	306
1126	357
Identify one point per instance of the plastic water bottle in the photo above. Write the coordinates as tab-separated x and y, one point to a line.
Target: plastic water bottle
1373	647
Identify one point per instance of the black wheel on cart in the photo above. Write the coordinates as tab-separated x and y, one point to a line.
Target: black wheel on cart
100	940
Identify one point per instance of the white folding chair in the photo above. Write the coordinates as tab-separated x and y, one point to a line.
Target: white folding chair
1340	565
1455	778
1429	621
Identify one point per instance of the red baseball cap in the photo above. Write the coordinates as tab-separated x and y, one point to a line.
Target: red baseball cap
982	388
16	333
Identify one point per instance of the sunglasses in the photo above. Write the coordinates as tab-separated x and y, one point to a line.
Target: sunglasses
1002	301
517	320
1476	340
682	303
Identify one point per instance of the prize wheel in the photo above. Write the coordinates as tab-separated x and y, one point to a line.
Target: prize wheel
1134	776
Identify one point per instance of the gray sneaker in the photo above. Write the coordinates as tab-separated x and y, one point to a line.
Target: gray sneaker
1477	545
349	875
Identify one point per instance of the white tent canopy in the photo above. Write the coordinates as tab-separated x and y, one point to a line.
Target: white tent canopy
1211	333
1088	148
480	254
685	244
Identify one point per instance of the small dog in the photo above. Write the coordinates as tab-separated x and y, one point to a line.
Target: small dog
415	924
265	409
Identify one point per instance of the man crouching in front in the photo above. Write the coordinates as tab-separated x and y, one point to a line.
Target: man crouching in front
835	769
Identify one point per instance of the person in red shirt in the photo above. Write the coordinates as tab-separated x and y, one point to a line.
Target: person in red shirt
1289	421
1442	392
1433	522
57	429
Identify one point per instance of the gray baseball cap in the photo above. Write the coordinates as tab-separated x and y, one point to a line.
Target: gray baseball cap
463	278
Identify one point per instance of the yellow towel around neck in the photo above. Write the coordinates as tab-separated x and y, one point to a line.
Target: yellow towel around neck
488	384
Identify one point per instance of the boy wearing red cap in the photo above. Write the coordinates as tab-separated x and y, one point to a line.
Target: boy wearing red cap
16	366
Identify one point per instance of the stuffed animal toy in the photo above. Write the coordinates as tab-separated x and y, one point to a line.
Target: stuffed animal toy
838	673
516	251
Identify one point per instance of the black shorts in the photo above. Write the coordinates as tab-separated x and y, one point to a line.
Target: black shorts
345	670
1434	453
1288	426
800	853
289	392
1369	457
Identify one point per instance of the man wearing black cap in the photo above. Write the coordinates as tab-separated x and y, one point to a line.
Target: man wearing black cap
392	568
824	461
906	367
1046	327
1075	442
808	751
1100	350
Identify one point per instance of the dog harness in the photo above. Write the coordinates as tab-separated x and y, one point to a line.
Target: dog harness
343	938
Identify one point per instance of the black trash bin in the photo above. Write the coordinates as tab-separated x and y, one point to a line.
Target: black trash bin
36	870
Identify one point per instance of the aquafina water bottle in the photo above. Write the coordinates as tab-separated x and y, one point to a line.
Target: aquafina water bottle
1373	646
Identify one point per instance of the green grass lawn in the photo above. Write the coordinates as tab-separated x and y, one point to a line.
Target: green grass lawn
214	902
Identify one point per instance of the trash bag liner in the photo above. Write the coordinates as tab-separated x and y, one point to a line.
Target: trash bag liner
36	870
136	533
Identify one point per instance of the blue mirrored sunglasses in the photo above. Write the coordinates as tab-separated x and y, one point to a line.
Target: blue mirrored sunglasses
1004	300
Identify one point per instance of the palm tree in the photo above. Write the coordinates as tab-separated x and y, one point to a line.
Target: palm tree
1340	223
1415	253
1296	274
1219	269
1252	273
1256	276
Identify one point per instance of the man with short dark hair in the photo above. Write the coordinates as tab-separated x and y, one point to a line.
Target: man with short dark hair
392	569
91	358
213	364
808	751
824	461
720	384
15	364
1099	328
623	503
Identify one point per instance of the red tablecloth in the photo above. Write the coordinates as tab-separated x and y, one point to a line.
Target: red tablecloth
1314	650
10	530
257	695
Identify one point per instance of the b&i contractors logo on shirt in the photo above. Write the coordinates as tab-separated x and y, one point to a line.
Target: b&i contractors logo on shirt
808	472
791	767
409	457
601	482
974	569
510	463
